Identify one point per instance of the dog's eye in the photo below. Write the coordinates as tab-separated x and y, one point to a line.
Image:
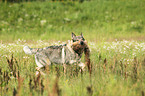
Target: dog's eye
83	39
74	40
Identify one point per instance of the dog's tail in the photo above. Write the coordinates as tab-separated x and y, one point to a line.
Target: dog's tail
29	50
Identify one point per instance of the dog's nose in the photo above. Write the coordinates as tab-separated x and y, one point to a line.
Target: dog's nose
82	43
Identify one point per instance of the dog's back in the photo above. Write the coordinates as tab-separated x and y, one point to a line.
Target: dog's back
53	54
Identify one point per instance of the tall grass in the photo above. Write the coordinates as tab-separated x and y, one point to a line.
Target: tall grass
117	69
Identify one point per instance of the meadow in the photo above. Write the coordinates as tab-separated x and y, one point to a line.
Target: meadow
115	34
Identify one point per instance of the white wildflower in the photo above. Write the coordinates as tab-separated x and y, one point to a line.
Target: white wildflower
20	19
42	22
66	19
104	47
26	15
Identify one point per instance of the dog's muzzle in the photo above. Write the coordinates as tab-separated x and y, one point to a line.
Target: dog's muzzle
81	43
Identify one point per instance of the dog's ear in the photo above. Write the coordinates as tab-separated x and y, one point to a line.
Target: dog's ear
73	35
81	34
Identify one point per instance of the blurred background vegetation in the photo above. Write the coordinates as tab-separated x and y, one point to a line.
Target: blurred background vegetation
99	20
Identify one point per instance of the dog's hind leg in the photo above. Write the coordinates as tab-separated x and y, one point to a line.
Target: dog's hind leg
43	63
64	68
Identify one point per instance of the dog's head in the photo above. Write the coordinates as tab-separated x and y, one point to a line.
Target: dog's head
78	40
78	43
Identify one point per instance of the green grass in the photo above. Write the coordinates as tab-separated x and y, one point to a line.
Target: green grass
115	34
122	74
99	20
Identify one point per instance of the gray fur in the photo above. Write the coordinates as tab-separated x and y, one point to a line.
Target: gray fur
62	54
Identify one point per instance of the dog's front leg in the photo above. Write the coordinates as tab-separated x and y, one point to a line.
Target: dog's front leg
38	72
64	68
82	65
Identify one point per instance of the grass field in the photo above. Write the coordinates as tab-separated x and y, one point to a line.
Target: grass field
115	33
104	20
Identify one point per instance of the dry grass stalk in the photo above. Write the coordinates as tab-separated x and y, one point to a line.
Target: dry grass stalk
10	62
56	90
89	90
57	72
105	65
142	93
100	57
37	84
36	81
4	77
30	84
47	87
135	69
98	65
17	92
126	75
14	92
20	84
122	69
41	86
115	65
143	63
77	70
0	71
12	65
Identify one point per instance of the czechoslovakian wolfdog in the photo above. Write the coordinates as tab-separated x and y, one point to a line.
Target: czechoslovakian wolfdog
69	53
